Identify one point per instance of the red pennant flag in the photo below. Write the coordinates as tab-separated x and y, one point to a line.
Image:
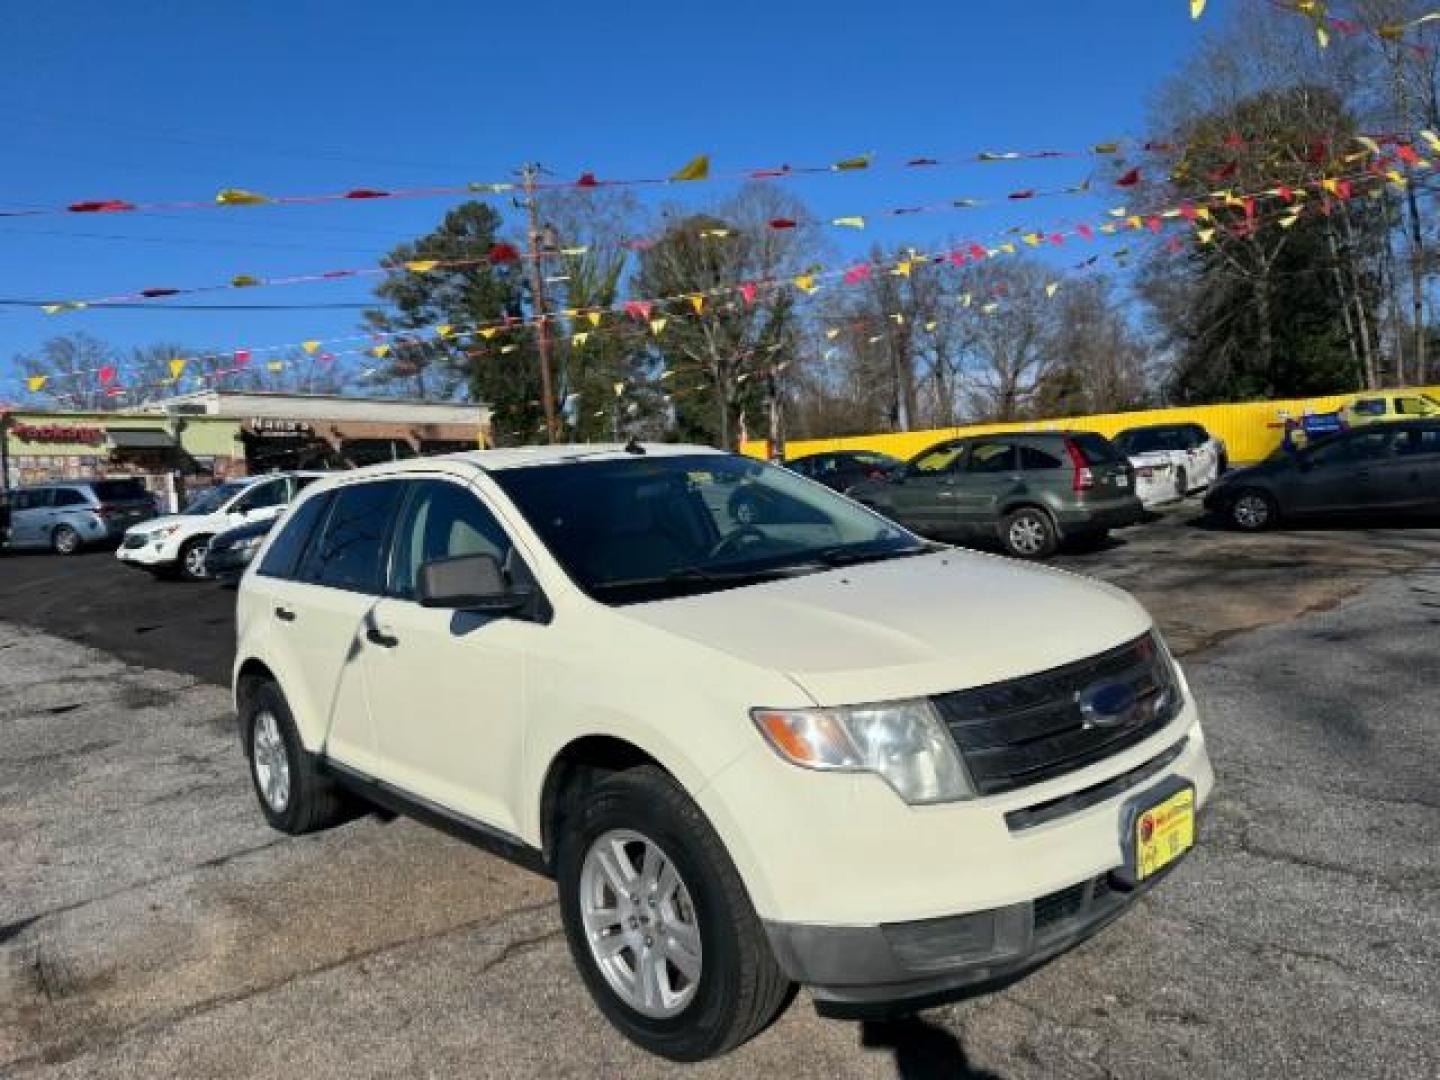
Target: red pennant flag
327	358
107	374
1159	147
1086	231
115	391
100	206
1285	192
503	253
151	293
857	274
747	291
242	357
638	309
1057	238
1344	26
1130	179
781	223
1250	206
1407	154
1319	151
957	258
770	174
366	193
587	180
1154	223
977	252
1343	189
1229	169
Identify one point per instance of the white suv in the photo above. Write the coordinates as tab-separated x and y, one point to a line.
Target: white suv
804	748
176	543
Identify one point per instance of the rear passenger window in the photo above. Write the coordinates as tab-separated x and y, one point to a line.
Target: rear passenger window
283	558
1419	441
1031	458
70	497
350	551
1370	407
442	521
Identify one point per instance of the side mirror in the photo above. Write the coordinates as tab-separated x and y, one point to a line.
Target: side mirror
468	583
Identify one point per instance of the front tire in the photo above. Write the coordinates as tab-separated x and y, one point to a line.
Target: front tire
65	540
294	797
190	564
1252	510
659	922
1028	533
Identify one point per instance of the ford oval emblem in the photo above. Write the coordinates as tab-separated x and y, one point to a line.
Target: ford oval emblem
1106	704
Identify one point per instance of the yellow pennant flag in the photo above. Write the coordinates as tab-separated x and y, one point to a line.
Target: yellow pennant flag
594	317
380	351
854	221
697	301
244	281
657	325
36	383
421	266
1197	8
177	366
805	283
1135	221
444	330
1008	249
1106	148
579	338
832	333
714	234
1051	288
902	268
1204	235
239	197
1202	213
1331	185
1396	178
488	332
1431	140
697	168
1033	239
861	161
275	365
311	347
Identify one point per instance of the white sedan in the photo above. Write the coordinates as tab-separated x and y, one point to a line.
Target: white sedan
1171	460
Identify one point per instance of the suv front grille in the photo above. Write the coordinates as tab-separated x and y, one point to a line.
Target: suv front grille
135	540
1038	727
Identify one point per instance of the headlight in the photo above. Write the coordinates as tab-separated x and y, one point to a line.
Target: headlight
902	742
161	533
249	544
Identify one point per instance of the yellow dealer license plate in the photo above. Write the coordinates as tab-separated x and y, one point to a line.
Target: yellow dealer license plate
1164	832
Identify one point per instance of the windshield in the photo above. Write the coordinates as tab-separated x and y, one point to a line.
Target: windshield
647	528
208	502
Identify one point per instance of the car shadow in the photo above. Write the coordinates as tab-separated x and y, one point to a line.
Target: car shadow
1357	522
922	1050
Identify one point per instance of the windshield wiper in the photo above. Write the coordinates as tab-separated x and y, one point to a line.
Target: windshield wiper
847	555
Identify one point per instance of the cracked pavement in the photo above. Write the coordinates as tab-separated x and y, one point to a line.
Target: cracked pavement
151	925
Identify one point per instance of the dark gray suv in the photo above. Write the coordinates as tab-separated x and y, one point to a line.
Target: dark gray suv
1029	490
67	515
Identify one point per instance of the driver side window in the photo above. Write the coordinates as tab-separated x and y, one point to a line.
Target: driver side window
259	497
937	461
442	520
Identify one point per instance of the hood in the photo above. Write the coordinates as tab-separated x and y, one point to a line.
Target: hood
145	528
906	627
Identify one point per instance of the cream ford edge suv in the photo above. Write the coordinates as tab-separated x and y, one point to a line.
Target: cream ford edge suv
806	748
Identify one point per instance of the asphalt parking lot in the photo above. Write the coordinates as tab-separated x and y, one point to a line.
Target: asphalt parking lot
151	925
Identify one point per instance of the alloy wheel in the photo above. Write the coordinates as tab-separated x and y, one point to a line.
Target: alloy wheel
195	560
640	923
1251	511
1027	535
272	765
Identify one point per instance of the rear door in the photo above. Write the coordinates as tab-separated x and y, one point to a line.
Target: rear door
319	616
1414	468
1343	474
447	688
989	474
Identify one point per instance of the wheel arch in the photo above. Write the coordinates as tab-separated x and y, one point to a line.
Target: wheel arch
577	764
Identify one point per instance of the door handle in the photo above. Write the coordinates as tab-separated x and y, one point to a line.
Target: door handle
376	636
284	614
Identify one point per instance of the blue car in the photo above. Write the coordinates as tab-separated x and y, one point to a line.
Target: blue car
68	515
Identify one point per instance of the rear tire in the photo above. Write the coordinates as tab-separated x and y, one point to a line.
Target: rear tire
190	564
65	540
733	988
1252	510
294	797
1028	533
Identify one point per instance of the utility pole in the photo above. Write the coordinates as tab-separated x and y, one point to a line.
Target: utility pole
537	294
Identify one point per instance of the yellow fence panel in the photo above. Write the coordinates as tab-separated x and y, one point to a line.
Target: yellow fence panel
1251	430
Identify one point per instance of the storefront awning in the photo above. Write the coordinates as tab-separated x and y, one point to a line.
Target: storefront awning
140	439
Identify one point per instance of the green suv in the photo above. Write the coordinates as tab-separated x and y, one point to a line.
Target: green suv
1029	490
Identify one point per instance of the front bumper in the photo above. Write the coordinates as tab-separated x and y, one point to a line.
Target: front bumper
873	971
148	553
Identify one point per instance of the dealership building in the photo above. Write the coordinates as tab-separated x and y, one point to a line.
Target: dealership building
196	439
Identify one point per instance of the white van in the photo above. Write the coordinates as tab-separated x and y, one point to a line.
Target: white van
808	747
176	543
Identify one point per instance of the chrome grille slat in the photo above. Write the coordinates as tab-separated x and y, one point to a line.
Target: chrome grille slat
1031	729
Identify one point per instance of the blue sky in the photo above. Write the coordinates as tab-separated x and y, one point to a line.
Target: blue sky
161	101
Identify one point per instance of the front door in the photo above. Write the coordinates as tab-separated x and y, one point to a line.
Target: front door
987	476
1343	474
925	499
447	688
